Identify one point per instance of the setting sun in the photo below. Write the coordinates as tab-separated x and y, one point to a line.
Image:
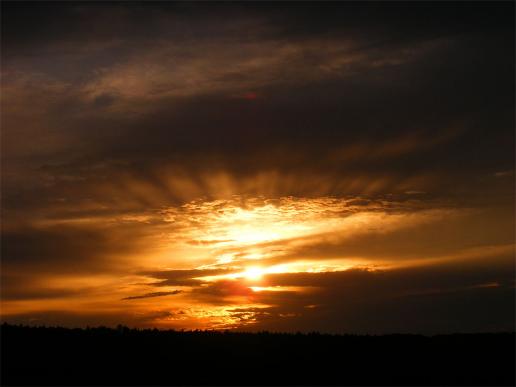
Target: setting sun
253	274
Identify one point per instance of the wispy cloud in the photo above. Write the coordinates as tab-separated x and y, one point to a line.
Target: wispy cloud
154	294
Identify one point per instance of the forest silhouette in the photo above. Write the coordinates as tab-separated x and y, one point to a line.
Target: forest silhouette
123	356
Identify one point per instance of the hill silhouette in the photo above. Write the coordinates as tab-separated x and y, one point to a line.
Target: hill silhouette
123	356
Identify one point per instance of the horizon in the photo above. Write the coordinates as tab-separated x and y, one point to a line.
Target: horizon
124	328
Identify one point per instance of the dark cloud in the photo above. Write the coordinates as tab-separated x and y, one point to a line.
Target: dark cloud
67	248
454	107
25	287
426	300
92	318
184	277
443	277
153	294
218	292
457	311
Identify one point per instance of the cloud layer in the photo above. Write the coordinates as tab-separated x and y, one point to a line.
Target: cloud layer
339	167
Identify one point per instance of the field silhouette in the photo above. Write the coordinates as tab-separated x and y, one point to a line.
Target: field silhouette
123	356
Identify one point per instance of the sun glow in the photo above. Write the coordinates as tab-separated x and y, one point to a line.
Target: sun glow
237	233
238	250
253	273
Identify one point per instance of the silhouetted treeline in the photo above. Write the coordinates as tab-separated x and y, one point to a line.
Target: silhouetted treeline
104	356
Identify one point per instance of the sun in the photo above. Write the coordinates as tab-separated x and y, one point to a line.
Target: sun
253	273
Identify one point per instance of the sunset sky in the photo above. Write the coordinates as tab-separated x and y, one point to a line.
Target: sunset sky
336	167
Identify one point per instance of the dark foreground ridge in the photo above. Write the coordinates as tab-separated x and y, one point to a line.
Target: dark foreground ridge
104	356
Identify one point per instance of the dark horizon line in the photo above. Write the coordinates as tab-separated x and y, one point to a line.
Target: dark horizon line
123	328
